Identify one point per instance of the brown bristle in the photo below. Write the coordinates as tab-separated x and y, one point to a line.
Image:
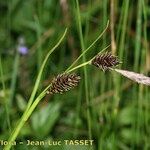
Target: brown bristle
105	61
64	82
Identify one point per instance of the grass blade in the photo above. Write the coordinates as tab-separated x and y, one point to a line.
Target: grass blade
28	111
41	70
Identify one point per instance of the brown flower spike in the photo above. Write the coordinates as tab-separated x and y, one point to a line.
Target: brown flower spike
105	61
64	82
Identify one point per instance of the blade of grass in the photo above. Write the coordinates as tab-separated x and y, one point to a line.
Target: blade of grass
138	54
14	78
85	63
28	111
147	89
112	23
102	75
138	36
105	18
84	68
87	49
121	45
6	103
39	47
41	70
120	24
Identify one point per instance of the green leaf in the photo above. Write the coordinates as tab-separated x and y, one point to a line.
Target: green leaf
129	135
21	102
44	119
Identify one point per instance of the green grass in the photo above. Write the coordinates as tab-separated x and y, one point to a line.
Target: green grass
105	107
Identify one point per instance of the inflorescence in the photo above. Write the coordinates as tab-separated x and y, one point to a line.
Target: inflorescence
105	61
64	82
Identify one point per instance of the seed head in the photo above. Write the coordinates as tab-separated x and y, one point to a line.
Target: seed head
105	61
64	82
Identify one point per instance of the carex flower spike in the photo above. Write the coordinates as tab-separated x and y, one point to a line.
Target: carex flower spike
105	61
63	82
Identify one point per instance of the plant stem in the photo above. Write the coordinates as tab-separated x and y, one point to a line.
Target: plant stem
4	90
23	119
41	70
84	69
31	106
85	63
14	78
87	49
79	66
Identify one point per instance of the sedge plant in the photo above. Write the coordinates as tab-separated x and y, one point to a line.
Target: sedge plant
66	81
33	102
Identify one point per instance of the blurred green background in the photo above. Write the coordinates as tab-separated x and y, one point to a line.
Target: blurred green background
105	107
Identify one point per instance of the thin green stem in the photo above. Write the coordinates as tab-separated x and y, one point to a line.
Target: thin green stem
85	63
39	49
84	68
31	106
138	55
138	35
41	70
79	66
14	77
146	121
23	119
4	90
87	49
121	45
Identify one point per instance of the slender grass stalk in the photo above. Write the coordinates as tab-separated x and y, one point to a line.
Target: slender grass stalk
124	29
39	43
138	35
142	88
91	45
41	70
85	63
135	125
84	68
35	103
8	26
121	45
79	99
14	77
147	89
39	49
28	111
4	90
120	23
23	120
137	55
87	24
105	18
79	66
102	75
112	23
